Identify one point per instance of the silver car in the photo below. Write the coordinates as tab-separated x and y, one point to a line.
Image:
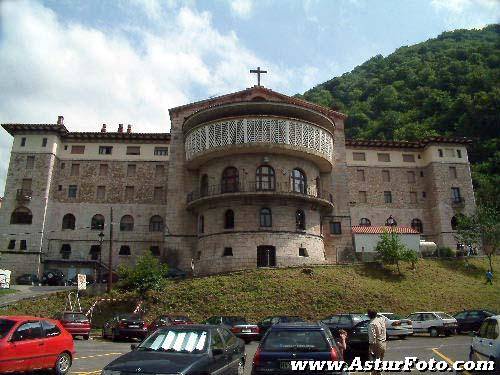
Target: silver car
396	325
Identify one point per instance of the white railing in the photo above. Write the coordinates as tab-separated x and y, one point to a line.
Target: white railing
258	130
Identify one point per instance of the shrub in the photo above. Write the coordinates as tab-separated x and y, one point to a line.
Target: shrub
147	274
446	252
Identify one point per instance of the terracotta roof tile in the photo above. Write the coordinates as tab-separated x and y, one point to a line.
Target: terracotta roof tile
358	229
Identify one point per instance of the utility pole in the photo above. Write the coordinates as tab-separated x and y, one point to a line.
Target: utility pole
110	262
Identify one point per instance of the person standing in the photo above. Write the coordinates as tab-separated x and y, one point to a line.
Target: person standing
377	337
489	277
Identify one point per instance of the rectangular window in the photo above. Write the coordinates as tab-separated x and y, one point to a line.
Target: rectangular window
387	197
410	176
30	162
459	153
131	168
12	245
159	170
129	192
409	158
383	157
44	142
103	170
133	150
72	190
161	151
453	172
359	156
421	173
101	192
386	176
361	174
228	252
455	195
23	141
105	150
440	153
413	197
59	187
63	165
303	252
335	227
361	196
75	169
158	194
201	224
77	149
424	194
23	245
26	184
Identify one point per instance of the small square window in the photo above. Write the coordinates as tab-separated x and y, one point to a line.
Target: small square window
12	245
459	153
131	169
361	174
129	192
105	150
101	192
63	165
72	191
424	194
44	142
303	252
440	153
65	147
421	173
384	157
387	197
158	194
133	150
410	176
77	150
161	151
59	187
453	172
228	252
409	158
335	227
30	162
358	156
23	141
159	170
361	196
103	170
75	169
124	250
23	245
386	176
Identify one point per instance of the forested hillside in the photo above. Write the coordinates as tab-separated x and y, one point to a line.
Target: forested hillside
448	86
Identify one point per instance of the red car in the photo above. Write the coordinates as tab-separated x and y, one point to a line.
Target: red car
75	323
29	343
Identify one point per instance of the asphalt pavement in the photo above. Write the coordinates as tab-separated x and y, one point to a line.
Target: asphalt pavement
28	291
96	353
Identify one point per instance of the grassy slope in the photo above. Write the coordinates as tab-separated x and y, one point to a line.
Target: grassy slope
435	285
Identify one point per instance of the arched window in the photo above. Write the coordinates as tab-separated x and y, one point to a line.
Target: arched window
68	221
21	215
156	224
454	223
127	223
65	251
390	222
417	225
230	180
265	178
266	217
299	182
124	250
364	222
97	222
95	252
204	186
229	219
300	220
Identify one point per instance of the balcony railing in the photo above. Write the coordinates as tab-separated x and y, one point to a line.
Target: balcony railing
458	201
23	194
260	187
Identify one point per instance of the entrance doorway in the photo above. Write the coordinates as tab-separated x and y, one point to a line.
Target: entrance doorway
266	256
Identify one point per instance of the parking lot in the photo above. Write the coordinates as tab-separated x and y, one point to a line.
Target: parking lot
94	354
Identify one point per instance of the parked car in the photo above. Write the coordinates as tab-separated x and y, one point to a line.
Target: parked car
163	321
357	342
76	323
286	342
53	278
435	323
28	279
175	273
29	343
125	326
237	325
184	349
266	323
396	325
486	344
471	320
343	321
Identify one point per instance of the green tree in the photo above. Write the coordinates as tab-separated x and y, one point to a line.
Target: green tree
391	250
147	274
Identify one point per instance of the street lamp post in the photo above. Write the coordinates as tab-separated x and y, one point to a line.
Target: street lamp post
101	239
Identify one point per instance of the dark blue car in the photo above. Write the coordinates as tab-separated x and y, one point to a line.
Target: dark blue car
287	342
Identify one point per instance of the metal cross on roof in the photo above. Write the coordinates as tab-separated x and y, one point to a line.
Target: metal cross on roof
259	72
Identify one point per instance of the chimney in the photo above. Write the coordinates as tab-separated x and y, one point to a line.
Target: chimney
120	128
129	129
103	129
60	120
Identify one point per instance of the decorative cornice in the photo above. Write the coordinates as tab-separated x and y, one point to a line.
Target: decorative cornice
404	144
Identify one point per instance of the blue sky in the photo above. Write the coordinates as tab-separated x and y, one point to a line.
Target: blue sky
128	61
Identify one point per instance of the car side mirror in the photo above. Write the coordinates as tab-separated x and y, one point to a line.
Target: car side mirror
133	346
217	351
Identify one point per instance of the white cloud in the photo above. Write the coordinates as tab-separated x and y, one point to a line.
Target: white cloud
468	13
242	8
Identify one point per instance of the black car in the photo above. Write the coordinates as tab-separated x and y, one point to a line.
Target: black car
266	323
343	321
238	325
131	326
357	342
286	342
471	320
28	279
184	349
53	278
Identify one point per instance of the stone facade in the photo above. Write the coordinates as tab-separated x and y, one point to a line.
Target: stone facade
167	192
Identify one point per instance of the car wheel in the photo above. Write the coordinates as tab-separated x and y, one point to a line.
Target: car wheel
63	364
241	368
433	332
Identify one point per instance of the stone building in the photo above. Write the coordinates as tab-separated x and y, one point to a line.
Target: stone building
250	179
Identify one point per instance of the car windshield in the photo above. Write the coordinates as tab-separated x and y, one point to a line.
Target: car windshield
74	317
295	341
291	319
444	316
356	318
176	341
392	316
5	326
